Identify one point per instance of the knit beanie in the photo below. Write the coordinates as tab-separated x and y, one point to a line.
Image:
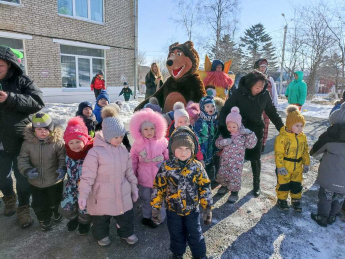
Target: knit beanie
179	111
112	127
76	129
103	94
206	100
83	105
338	116
42	120
293	116
182	137
119	103
153	105
100	72
234	116
193	110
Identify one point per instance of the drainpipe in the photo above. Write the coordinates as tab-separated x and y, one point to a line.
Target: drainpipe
135	5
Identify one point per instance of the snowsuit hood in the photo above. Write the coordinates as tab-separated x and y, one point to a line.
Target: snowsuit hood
300	75
215	63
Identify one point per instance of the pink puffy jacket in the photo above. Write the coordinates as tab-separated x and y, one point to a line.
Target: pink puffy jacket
148	154
107	180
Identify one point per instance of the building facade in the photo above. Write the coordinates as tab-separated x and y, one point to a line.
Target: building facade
66	42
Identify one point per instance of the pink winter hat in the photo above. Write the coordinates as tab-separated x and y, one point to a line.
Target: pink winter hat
76	129
193	110
234	116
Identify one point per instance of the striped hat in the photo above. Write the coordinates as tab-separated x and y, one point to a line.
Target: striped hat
42	120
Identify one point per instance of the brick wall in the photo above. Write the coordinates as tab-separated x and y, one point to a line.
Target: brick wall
41	20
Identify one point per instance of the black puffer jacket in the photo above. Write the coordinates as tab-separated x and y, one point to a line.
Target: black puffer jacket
24	99
251	108
150	84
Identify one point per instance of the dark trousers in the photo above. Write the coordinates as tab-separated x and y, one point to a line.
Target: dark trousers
330	203
183	230
7	163
124	222
97	92
46	201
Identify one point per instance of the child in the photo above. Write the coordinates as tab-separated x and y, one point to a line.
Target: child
149	150
206	130
77	144
338	103
108	185
126	92
292	159
153	105
85	111
232	156
182	183
331	175
42	161
101	101
98	83
193	110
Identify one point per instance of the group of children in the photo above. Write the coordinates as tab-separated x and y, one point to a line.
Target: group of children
169	167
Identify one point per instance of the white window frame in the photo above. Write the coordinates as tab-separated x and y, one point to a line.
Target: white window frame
88	19
14	4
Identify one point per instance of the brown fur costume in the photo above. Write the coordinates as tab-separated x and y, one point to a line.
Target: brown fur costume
184	84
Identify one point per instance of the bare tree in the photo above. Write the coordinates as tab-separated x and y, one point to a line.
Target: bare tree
141	58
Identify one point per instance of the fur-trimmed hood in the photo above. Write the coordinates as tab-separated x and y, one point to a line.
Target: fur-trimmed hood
155	118
54	137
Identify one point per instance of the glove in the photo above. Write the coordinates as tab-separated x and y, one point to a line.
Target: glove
207	217
82	203
282	171
305	169
135	195
245	131
61	173
156	216
225	142
32	174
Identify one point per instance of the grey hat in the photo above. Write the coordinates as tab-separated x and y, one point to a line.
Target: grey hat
338	116
100	72
112	127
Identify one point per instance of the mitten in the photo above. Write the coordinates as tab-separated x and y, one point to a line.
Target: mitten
135	195
156	216
32	174
61	173
282	171
245	131
225	142
82	203
305	169
207	217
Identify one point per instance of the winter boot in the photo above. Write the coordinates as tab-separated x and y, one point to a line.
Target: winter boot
233	197
131	240
331	220
222	190
148	222
83	229
72	225
24	216
321	220
10	205
256	168
46	225
177	256
57	217
262	149
296	204
104	242
282	205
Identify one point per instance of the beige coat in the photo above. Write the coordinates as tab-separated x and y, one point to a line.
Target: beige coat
107	179
47	156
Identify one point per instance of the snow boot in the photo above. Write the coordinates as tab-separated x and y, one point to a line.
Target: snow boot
256	168
57	217
233	197
10	205
83	229
148	222
282	205
321	220
296	204
72	225
331	220
222	190
131	240
24	216
46	225
104	242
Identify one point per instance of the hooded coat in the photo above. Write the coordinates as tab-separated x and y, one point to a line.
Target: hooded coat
24	98
296	92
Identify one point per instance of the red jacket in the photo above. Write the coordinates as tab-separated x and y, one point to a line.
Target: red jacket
97	83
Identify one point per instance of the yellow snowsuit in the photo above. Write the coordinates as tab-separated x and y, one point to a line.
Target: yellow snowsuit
291	152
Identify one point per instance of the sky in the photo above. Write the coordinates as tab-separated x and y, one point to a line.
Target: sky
157	30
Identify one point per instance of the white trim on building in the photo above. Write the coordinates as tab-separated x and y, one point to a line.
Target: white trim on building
80	44
13	35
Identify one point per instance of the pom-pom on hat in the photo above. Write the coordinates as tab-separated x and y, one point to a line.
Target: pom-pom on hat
42	120
338	116
179	111
76	129
234	116
293	116
193	110
111	110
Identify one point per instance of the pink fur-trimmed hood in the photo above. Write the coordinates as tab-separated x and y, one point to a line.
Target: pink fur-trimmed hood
143	115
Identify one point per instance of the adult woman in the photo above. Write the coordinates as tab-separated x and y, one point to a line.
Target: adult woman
252	98
19	97
153	80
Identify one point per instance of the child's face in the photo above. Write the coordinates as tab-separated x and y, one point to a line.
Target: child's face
183	153
87	111
103	102
183	121
210	109
116	141
148	132
42	133
219	68
232	127
76	145
297	128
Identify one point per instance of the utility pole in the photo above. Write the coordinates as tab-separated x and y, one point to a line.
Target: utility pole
283	52
135	7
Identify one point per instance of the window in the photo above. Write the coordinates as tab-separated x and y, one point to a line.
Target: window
11	2
85	9
79	65
14	44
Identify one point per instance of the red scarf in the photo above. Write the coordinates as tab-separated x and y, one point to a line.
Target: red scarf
82	154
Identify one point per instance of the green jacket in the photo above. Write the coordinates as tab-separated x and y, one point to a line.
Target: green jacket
297	90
